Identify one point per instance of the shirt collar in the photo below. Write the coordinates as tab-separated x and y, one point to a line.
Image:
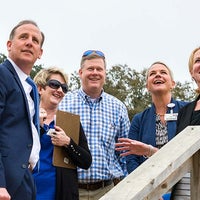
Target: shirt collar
20	73
86	97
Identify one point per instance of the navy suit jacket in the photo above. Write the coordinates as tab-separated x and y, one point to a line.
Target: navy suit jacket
143	128
15	129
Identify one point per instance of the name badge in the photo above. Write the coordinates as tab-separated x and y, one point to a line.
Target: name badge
170	116
51	132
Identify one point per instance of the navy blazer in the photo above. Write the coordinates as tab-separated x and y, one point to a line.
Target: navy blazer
143	128
15	129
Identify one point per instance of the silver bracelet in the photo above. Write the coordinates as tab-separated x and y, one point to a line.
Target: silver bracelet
150	152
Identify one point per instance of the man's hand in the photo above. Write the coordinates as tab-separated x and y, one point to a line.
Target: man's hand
4	194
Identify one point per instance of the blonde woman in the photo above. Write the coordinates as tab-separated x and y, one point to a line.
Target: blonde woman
156	125
56	183
189	115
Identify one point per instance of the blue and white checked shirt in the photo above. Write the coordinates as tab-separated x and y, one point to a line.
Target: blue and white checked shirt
104	121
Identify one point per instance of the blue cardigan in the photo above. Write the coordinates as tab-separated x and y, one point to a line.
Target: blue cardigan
143	128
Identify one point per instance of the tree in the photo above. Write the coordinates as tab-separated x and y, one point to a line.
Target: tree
184	91
35	70
74	81
129	86
2	57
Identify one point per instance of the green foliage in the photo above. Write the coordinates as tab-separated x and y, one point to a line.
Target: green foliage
129	86
74	81
2	57
35	70
184	91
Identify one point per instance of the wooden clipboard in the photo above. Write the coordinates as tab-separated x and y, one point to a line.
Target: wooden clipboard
70	123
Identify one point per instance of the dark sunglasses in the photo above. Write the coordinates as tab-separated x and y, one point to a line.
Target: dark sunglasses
54	84
89	52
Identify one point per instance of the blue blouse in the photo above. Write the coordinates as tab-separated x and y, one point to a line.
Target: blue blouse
45	173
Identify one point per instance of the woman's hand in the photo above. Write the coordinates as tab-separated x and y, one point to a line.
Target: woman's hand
59	138
135	147
43	116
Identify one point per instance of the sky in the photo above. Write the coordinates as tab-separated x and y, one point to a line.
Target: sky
129	32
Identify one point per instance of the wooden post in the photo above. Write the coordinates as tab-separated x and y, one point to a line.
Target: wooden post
195	177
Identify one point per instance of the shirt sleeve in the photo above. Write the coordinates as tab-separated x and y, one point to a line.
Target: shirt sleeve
124	129
133	161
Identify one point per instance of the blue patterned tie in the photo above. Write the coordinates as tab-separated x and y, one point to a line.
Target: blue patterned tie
36	120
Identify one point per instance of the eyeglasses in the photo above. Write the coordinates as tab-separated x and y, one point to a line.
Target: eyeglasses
89	52
54	84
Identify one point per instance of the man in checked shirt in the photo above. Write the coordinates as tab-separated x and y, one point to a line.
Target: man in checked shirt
104	119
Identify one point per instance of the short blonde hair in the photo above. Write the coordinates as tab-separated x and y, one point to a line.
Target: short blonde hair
191	63
161	63
191	59
44	75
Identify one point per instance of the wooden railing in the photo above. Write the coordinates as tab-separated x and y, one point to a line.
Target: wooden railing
161	171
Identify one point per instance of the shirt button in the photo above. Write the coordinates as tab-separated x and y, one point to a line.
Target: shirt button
24	166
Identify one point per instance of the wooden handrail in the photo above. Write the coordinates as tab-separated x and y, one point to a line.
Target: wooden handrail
161	171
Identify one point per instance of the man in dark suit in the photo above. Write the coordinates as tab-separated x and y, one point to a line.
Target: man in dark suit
19	139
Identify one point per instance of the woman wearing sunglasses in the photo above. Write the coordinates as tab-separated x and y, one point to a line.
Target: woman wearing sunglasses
56	183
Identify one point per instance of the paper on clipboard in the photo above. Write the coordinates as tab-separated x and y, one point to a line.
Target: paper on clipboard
70	123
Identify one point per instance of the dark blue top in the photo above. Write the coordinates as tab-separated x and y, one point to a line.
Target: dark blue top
58	183
45	173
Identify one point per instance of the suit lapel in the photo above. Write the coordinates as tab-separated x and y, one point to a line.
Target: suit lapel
15	76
